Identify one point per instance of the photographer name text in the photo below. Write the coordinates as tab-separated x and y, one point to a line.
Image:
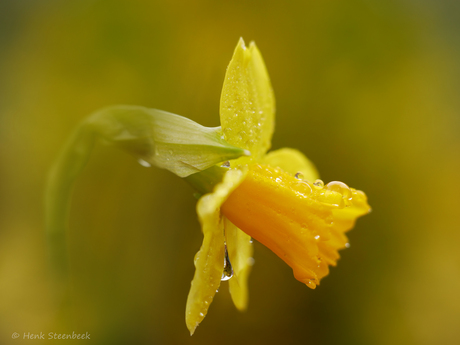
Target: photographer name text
52	335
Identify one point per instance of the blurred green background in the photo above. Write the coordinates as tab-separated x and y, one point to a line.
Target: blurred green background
368	89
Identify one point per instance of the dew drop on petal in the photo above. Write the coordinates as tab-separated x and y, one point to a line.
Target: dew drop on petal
302	188
299	176
228	269
347	245
318	184
144	163
341	188
226	164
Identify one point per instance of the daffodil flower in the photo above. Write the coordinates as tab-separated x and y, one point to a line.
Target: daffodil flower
275	198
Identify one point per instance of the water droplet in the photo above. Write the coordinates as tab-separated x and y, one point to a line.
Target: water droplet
302	187
226	164
347	245
317	237
144	163
201	314
312	282
342	189
251	240
251	261
318	184
228	269
299	176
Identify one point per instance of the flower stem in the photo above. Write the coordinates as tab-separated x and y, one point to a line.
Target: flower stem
205	181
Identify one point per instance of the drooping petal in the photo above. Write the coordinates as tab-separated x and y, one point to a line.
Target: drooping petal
291	161
247	104
209	261
240	251
295	218
209	265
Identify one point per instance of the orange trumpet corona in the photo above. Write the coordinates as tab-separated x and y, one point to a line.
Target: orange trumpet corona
301	222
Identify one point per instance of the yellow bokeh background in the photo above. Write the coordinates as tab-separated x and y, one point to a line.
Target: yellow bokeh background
367	89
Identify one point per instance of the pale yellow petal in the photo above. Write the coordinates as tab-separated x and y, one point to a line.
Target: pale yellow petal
209	261
247	104
291	161
240	251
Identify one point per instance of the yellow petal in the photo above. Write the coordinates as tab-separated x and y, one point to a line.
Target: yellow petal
300	222
247	104
240	251
209	261
291	161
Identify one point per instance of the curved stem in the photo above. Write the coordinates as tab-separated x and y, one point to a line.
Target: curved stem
61	179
